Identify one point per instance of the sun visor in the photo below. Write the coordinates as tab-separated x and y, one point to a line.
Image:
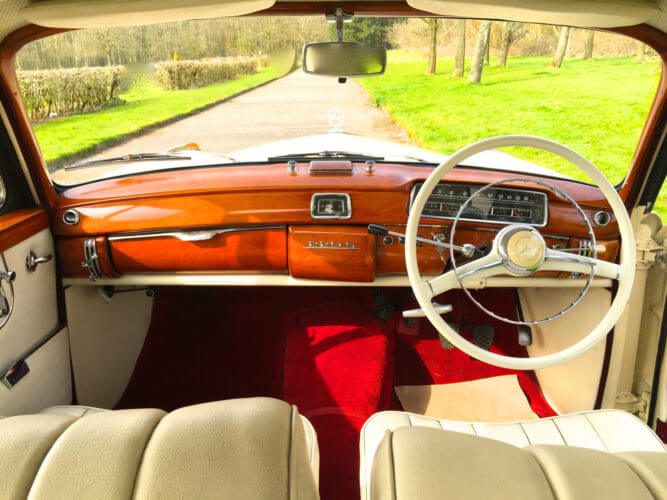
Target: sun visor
103	13
578	13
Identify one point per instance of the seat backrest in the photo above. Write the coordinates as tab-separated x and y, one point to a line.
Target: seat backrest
427	463
244	448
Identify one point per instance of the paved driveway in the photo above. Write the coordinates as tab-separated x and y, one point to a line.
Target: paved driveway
293	106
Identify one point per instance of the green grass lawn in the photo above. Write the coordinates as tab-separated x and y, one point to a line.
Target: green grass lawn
597	107
145	105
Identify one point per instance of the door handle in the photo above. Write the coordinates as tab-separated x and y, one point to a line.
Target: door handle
32	261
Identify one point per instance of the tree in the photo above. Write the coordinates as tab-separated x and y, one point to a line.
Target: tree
561	48
512	31
642	51
487	54
480	52
433	26
370	30
588	46
460	58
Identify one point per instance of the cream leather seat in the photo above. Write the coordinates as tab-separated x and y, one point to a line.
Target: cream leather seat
598	454
246	448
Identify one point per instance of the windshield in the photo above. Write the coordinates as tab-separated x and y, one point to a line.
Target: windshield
122	101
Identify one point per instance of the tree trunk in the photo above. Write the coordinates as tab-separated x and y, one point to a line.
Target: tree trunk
643	52
433	25
588	48
561	48
460	59
480	52
487	54
508	29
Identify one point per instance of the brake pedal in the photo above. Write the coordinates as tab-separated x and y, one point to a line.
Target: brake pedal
483	336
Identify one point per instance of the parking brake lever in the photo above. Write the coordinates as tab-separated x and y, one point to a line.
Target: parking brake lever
467	249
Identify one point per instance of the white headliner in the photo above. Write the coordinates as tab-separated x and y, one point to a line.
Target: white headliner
579	12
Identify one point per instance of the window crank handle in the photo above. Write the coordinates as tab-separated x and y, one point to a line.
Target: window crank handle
8	276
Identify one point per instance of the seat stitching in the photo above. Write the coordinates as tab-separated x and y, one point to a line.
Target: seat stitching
636	473
562	436
537	460
41	464
595	431
392	465
525	433
143	454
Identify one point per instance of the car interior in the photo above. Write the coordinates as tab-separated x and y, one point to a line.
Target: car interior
330	315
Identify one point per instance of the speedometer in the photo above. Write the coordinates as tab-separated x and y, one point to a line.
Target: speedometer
494	205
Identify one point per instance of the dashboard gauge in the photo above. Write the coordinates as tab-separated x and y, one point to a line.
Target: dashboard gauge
494	205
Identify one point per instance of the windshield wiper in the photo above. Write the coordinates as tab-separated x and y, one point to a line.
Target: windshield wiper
342	155
127	159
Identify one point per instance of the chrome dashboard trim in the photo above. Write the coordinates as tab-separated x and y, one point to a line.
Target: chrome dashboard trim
345	196
192	235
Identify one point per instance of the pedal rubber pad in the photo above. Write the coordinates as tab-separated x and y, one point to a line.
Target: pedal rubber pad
446	344
483	336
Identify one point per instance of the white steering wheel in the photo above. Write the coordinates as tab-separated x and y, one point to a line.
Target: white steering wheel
519	250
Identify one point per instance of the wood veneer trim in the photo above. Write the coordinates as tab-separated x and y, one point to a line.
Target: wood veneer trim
19	225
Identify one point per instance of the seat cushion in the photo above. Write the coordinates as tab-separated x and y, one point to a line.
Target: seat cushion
604	431
245	448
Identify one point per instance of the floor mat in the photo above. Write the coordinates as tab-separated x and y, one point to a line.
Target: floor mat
421	359
338	361
495	399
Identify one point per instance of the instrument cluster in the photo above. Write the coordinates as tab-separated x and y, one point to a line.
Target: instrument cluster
493	205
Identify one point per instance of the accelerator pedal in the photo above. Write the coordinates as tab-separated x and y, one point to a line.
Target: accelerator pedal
483	336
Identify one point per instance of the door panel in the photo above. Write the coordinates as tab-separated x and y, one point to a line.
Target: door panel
47	384
31	331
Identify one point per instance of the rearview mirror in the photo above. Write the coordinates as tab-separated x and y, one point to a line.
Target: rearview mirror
343	59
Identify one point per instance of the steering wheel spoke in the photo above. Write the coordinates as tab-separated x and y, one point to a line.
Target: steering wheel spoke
556	260
484	267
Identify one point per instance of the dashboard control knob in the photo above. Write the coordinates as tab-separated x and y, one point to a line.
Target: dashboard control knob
602	218
71	217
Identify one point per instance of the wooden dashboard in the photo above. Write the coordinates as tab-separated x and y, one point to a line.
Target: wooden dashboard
257	219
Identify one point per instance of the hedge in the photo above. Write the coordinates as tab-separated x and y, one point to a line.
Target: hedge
54	92
62	91
177	75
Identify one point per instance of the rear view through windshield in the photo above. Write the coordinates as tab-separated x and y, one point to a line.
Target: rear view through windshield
121	101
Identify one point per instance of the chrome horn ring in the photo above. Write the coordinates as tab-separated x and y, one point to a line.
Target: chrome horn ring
502	240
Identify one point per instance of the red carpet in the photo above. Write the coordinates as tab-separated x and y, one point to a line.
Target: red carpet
421	360
321	349
338	373
207	344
